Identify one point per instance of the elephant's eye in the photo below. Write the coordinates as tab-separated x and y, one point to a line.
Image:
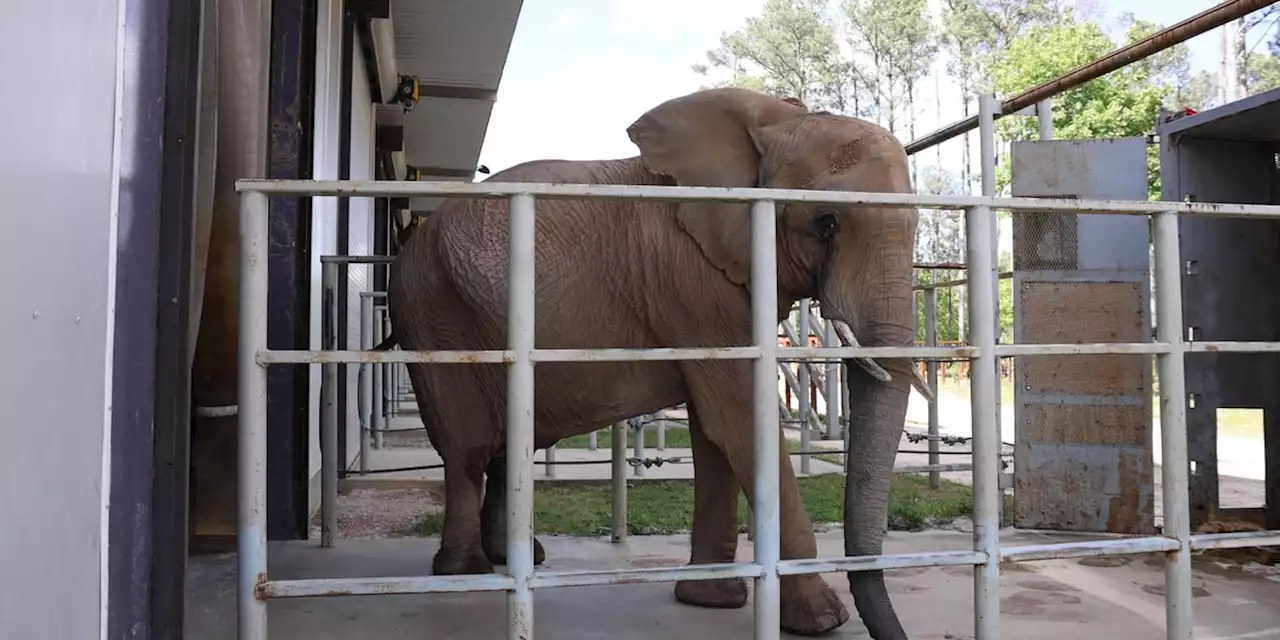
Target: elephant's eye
826	224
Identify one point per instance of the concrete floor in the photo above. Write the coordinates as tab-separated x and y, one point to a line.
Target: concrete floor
1050	600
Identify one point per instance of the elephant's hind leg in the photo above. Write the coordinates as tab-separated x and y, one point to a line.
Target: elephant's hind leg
460	541
493	516
715	524
464	464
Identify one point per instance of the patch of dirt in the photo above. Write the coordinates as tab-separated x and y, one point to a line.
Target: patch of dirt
379	513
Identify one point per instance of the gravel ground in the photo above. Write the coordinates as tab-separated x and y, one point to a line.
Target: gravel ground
381	513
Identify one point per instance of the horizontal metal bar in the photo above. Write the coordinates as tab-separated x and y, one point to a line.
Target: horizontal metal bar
382	586
493	190
634	355
1235	540
434	357
1088	549
841	353
1234	347
357	259
1006	350
933	467
543	579
373	294
785	354
880	563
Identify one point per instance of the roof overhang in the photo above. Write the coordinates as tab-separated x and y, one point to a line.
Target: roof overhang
457	51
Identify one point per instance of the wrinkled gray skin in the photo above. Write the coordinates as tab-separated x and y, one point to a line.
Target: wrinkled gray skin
632	274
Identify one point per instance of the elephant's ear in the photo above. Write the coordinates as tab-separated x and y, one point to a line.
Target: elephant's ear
713	138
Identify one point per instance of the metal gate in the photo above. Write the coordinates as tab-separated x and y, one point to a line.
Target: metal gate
1083	458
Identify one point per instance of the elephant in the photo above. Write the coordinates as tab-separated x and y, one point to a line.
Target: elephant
650	274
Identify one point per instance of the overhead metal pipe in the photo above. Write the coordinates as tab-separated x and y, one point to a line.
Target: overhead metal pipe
1124	56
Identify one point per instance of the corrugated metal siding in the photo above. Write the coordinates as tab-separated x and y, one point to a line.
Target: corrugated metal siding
360	237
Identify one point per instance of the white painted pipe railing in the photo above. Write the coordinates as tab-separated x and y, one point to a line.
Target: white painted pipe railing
256	586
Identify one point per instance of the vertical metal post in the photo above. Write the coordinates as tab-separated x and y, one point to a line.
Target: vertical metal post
988	107
388	381
252	437
1173	427
365	411
550	457
1044	113
764	319
519	432
802	332
329	412
376	406
592	441
931	373
986	432
638	446
618	475
833	385
660	419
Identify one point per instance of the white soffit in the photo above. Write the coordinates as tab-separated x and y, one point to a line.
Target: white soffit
458	51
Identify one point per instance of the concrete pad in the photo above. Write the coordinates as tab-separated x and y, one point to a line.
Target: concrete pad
1049	600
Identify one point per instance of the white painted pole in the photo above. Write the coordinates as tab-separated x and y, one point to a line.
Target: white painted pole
1173	428
931	373
618	476
1044	113
519	432
638	446
251	539
802	332
329	418
980	229
365	411
764	315
833	386
376	406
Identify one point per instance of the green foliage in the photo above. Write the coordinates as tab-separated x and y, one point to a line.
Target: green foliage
1120	104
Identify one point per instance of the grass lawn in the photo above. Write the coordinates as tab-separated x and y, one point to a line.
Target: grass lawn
676	438
666	507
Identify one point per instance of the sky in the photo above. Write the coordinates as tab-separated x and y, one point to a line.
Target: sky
580	71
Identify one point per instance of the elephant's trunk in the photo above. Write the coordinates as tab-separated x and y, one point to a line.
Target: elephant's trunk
869	287
876	415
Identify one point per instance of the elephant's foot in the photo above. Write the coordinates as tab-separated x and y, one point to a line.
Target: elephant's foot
497	552
810	606
452	562
723	593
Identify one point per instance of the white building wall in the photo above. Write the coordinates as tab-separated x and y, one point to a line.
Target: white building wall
58	177
324	211
360	238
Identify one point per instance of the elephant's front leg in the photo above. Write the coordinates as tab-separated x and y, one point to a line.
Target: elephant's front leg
493	516
715	524
721	394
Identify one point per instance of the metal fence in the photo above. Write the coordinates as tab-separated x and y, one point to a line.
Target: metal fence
256	587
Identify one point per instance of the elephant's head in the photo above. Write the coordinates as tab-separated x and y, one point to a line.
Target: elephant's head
857	261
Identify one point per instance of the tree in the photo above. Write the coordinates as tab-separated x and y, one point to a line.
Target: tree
1170	68
893	43
1120	104
975	34
793	47
1262	72
895	39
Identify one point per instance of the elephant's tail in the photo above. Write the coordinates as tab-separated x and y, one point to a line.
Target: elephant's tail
387	343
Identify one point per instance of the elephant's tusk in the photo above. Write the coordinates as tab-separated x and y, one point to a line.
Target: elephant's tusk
845	332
